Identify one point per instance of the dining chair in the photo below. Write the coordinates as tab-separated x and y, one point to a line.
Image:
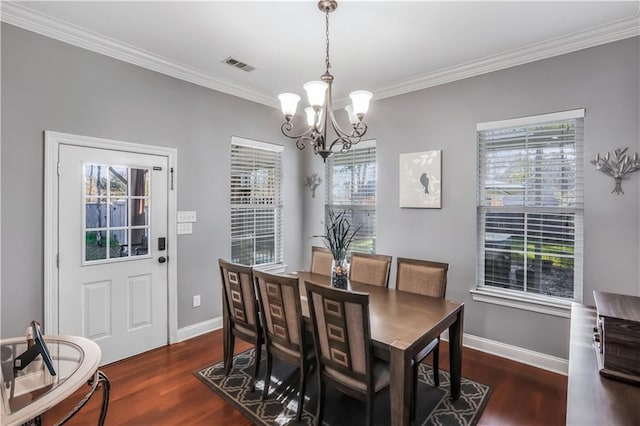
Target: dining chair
370	269
429	279
285	334
241	312
321	259
342	337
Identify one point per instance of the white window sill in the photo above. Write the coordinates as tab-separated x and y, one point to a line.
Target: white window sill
528	302
272	268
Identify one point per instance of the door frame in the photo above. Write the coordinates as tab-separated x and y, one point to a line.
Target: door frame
52	142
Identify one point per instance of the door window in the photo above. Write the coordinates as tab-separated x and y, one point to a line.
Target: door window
116	212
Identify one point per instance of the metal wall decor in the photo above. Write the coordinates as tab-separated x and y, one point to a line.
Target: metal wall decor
320	113
617	167
313	182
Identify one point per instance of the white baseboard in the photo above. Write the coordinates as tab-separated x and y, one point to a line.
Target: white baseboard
493	347
197	329
514	353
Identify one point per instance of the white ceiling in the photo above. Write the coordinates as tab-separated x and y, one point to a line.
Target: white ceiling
387	47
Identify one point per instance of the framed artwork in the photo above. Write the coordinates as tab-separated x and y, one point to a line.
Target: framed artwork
421	180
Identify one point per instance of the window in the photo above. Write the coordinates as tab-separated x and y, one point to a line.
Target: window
351	186
256	202
530	205
116	212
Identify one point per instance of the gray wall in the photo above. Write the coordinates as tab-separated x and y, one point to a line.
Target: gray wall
49	85
604	81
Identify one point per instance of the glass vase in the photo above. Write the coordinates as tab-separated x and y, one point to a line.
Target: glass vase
339	273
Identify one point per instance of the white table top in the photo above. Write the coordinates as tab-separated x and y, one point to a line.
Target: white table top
34	390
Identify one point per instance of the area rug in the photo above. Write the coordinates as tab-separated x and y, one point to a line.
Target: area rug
434	404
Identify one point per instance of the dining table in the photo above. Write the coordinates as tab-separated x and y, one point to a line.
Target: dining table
402	324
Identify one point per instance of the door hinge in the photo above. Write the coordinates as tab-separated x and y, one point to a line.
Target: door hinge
57	260
58	170
171	171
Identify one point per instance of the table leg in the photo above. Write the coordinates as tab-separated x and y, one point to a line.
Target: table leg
455	353
99	380
401	382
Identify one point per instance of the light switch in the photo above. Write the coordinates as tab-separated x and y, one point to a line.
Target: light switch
186	216
185	228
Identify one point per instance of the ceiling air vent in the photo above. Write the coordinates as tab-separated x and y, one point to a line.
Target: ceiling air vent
238	64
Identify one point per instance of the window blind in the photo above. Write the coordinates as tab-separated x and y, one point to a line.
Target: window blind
351	180
256	202
530	201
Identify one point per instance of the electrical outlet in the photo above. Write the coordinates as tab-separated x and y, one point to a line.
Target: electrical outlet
196	300
187	216
185	228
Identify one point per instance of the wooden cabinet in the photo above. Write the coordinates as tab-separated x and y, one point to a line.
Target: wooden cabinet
618	336
591	398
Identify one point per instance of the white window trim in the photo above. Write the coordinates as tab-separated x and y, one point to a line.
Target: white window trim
369	143
534	119
274	267
548	305
250	143
528	302
362	145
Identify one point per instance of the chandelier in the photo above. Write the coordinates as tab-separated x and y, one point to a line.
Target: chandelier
320	112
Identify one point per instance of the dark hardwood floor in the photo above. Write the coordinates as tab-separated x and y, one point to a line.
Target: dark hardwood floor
158	388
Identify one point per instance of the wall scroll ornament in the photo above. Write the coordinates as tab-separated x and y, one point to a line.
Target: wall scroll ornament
313	182
617	167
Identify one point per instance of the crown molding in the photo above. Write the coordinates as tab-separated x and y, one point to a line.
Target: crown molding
23	17
28	19
595	36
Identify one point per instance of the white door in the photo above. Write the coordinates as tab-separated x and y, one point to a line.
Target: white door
112	221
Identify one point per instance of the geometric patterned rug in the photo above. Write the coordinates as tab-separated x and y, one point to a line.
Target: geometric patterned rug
434	405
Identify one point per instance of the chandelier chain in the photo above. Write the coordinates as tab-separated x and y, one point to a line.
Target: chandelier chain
327	63
320	116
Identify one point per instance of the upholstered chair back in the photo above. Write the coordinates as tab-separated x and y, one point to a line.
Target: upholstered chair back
370	269
422	277
281	311
321	259
240	296
342	334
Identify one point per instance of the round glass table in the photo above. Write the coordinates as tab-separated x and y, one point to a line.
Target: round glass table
29	392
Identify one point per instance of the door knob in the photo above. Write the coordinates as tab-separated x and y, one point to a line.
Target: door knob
162	259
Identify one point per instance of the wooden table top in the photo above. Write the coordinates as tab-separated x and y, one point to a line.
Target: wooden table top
397	316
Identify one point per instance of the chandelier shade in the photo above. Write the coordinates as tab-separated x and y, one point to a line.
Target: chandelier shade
289	103
319	114
360	99
313	118
316	91
353	118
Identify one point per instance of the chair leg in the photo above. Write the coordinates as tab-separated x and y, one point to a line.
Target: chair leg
303	385
320	408
436	373
267	376
225	346
257	363
369	418
232	342
414	390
